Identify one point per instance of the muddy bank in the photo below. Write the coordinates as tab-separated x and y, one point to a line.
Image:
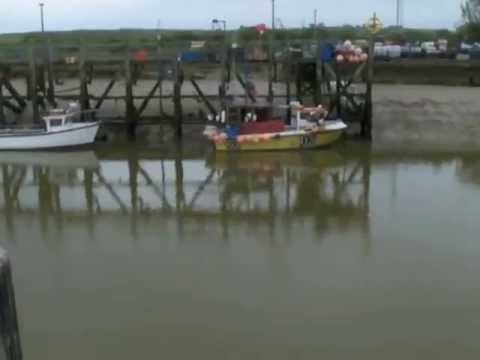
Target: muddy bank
426	115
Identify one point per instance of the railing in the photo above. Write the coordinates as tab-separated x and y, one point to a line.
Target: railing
10	348
118	52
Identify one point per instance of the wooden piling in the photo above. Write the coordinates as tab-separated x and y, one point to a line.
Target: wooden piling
299	81
33	84
270	66
161	77
318	74
366	126
50	77
2	111
288	83
9	331
84	97
177	99
222	89
129	100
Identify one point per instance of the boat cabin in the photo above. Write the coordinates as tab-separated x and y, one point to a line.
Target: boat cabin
57	122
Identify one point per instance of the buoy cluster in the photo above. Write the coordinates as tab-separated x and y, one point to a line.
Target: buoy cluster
349	53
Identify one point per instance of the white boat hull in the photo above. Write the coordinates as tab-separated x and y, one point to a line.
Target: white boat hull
76	135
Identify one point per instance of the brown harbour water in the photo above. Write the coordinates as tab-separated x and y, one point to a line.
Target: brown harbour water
153	253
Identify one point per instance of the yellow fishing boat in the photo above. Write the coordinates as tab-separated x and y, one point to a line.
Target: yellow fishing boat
309	130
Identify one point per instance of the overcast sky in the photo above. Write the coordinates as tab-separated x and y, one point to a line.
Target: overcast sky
23	15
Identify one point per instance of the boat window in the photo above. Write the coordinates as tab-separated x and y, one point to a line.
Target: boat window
55	122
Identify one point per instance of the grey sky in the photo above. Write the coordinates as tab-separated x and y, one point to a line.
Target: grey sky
22	15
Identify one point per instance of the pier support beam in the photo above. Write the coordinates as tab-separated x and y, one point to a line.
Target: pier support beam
149	97
109	88
14	93
204	99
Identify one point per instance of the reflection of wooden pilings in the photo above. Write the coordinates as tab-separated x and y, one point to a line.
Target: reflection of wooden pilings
44	198
179	191
7	184
8	313
133	179
112	192
90	200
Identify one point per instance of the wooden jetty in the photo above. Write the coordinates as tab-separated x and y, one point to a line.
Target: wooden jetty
298	71
10	348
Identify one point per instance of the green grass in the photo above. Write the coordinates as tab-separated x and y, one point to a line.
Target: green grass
148	37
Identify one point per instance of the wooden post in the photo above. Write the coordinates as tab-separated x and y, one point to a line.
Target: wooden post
33	84
299	81
2	111
338	83
270	70
177	99
318	74
366	128
222	90
84	97
288	81
50	78
161	77
10	346
130	104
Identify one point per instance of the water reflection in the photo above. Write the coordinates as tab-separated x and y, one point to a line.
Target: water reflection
272	193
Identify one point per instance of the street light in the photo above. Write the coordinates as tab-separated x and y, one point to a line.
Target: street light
42	17
217	21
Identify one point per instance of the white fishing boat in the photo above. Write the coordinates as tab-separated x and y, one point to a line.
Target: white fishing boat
61	128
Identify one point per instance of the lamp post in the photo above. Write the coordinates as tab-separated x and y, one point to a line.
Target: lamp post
217	21
42	19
